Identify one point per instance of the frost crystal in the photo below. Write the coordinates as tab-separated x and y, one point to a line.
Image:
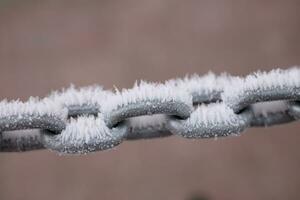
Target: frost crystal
145	92
263	81
32	107
92	95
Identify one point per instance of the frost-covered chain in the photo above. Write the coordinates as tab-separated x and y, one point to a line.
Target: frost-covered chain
91	119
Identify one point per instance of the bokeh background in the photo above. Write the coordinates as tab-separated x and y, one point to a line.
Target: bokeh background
49	44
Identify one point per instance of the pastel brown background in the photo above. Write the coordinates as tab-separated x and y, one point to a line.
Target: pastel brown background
46	45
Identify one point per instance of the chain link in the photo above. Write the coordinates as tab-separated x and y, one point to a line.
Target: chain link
92	119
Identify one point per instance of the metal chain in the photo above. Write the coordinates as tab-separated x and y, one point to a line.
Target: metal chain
91	119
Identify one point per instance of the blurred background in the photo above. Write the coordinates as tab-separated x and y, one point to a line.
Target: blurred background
46	45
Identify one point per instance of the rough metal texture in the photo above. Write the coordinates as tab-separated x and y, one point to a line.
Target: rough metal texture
199	107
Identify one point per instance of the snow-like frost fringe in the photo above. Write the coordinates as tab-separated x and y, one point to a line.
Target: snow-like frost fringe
212	120
261	86
146	99
17	115
85	134
32	107
144	92
204	88
85	96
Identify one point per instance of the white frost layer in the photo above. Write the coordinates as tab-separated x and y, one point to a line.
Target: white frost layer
202	84
31	107
212	114
145	92
276	78
85	130
92	95
141	122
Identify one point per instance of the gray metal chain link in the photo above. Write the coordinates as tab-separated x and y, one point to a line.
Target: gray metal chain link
91	119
